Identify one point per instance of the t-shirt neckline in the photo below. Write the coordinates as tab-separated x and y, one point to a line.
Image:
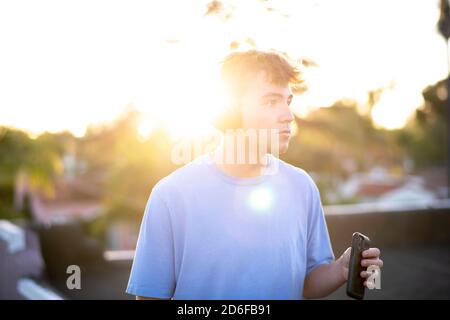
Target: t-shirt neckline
209	162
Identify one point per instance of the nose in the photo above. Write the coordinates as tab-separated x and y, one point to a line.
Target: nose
286	115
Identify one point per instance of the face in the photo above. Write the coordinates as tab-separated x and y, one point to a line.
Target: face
266	106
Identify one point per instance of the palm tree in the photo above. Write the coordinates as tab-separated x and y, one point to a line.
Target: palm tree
444	29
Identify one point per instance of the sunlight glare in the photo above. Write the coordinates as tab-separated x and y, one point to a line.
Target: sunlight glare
261	199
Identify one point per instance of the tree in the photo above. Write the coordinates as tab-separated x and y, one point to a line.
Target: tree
425	134
38	159
336	141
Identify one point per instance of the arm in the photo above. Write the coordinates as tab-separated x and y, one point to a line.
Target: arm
327	278
153	274
323	280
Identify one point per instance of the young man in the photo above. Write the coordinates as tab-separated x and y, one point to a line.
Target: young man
223	228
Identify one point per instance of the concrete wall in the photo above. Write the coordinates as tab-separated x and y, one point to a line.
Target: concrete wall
391	229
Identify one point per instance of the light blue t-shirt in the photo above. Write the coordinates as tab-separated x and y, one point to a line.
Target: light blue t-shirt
208	235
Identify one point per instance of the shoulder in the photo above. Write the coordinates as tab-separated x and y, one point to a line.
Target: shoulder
184	177
299	175
301	180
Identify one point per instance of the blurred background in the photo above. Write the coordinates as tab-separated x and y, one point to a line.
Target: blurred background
95	95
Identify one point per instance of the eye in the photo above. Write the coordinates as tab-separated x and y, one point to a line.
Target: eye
272	103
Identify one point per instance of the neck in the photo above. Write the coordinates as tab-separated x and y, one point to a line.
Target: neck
240	169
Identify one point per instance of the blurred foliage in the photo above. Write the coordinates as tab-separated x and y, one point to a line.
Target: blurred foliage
425	135
127	165
336	141
39	159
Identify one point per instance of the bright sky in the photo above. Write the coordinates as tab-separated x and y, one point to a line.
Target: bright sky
65	64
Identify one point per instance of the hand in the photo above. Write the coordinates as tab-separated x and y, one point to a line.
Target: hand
371	257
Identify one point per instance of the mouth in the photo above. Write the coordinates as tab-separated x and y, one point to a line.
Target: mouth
285	132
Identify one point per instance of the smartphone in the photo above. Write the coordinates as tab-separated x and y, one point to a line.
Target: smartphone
355	283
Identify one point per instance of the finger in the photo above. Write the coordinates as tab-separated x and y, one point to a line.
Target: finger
371	253
365	274
368	262
347	252
346	256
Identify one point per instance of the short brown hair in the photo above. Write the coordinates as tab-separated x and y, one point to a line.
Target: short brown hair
239	68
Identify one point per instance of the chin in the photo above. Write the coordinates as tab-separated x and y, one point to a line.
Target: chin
284	145
283	148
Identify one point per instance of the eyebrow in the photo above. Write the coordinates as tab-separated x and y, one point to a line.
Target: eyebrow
274	94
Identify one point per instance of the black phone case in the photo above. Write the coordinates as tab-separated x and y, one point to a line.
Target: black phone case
355	283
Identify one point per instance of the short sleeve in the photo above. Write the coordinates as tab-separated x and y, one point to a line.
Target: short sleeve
319	250
152	273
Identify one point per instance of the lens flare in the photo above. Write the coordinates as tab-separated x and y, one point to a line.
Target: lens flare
261	199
